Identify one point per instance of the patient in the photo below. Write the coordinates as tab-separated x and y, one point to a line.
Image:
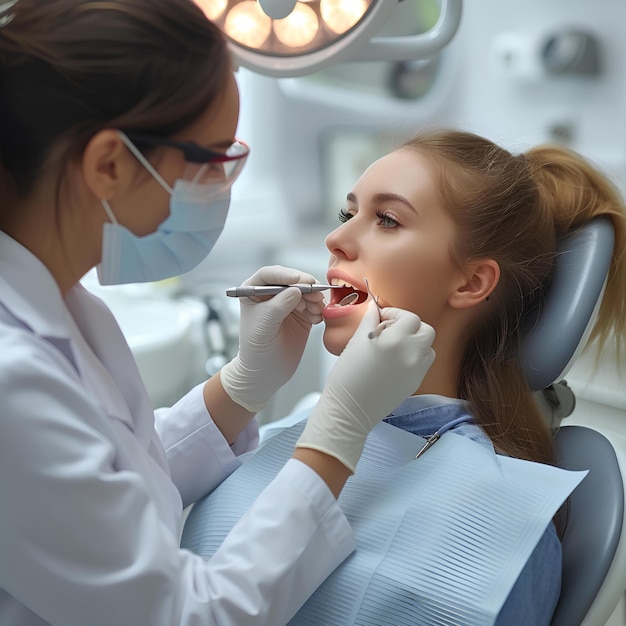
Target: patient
463	233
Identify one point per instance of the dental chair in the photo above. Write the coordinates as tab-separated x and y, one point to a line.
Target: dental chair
594	541
594	535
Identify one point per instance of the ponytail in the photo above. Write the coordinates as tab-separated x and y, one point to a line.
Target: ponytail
573	193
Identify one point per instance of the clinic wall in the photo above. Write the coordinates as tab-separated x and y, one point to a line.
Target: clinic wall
517	104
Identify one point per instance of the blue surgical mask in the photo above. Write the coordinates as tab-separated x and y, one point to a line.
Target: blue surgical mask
197	217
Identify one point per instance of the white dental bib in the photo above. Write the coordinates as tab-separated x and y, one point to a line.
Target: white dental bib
440	540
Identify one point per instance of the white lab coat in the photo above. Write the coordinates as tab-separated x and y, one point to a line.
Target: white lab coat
91	496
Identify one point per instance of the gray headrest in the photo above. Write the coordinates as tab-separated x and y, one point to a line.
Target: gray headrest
572	302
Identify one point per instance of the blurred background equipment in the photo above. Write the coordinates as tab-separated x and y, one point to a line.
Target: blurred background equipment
293	38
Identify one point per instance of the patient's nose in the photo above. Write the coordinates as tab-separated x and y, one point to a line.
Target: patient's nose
342	242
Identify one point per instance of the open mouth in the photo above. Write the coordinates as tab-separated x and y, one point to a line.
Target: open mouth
347	294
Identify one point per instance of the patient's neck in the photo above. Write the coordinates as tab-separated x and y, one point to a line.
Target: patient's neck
438	383
443	376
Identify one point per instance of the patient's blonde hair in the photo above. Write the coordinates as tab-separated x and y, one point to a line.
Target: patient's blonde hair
513	209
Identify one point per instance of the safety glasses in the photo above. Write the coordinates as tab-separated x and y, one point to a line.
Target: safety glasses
204	166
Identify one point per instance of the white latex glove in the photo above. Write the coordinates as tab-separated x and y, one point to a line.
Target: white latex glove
371	378
272	337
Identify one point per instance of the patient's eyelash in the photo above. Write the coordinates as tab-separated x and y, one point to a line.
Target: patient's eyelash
344	216
388	220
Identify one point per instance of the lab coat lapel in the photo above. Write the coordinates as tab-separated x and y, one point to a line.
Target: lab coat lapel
122	397
82	328
28	291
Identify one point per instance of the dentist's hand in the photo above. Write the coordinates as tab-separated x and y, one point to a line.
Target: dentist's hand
272	337
370	378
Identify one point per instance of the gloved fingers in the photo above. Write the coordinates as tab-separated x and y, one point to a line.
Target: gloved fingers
279	275
317	298
406	328
368	323
312	304
272	275
282	304
429	358
311	317
312	311
404	322
427	334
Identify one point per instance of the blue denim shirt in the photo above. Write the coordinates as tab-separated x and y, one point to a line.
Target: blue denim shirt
535	594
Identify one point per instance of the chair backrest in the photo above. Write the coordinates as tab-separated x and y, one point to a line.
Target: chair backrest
593	527
595	510
572	302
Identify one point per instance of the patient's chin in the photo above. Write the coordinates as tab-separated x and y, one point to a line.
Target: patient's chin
335	340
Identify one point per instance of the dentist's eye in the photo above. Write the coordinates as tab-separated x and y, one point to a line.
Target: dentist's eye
387	220
344	216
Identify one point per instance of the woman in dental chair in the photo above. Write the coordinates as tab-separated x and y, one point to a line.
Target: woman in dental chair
462	233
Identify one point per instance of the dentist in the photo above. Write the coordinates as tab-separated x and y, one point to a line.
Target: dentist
117	122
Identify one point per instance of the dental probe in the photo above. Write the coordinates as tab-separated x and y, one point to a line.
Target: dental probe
374	298
434	438
384	323
245	291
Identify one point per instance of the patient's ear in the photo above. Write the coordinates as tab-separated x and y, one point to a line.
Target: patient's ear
479	280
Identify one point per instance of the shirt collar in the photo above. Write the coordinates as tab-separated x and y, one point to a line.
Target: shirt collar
29	292
424	414
425	401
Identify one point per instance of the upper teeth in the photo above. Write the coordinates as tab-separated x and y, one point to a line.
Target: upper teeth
339	282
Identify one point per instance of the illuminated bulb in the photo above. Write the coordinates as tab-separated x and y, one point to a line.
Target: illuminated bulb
247	24
341	15
298	28
212	8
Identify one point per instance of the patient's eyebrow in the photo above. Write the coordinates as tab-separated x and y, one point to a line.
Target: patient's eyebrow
383	197
394	197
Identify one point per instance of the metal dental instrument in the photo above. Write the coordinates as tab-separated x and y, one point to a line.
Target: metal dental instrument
349	299
433	439
245	291
367	285
384	323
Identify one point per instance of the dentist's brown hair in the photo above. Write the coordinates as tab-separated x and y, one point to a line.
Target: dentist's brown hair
69	68
513	208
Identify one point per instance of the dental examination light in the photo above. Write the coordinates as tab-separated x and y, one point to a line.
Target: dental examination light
286	38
